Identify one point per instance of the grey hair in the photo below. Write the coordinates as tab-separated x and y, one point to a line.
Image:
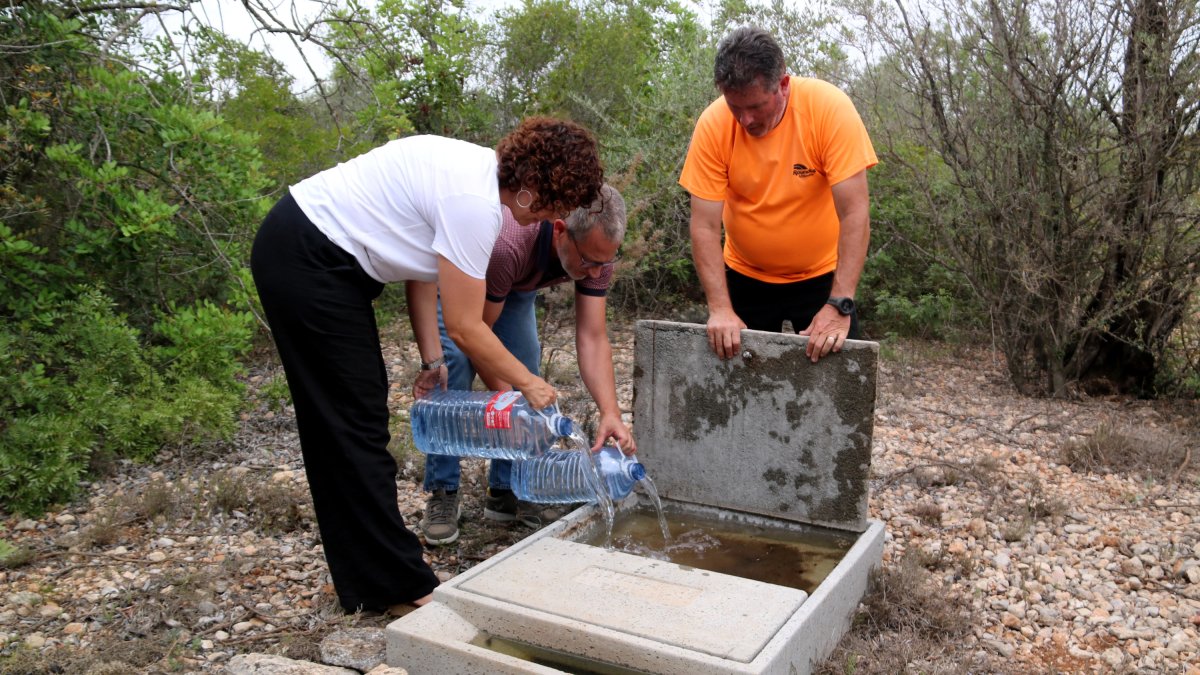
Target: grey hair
607	213
747	56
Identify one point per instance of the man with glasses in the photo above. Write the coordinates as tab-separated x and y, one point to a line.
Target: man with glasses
582	248
782	163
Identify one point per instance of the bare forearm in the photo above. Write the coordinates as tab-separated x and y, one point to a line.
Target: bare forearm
497	367
724	327
852	255
596	369
463	312
852	200
493	383
705	229
422	314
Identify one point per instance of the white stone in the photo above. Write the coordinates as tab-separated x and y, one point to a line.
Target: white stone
1114	657
49	610
35	641
1192	574
263	664
358	648
24	598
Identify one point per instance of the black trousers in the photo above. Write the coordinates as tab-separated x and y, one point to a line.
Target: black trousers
765	306
317	300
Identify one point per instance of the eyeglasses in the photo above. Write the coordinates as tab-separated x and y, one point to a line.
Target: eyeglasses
588	264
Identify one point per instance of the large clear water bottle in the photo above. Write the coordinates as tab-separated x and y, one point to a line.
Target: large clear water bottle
569	476
495	425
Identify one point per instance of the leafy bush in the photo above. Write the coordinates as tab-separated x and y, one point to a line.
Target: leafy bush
125	214
81	383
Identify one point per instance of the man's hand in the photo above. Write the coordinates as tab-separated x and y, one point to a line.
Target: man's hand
827	333
725	333
612	427
429	380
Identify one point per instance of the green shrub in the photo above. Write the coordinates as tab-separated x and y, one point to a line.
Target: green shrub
126	212
79	382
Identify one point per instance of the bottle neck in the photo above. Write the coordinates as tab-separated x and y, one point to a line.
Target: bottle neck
560	424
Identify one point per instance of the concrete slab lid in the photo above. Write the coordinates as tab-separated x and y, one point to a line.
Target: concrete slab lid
766	432
707	612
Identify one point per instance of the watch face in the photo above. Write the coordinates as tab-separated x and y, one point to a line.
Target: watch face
844	305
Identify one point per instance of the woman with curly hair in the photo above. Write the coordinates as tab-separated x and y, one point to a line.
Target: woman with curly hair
425	210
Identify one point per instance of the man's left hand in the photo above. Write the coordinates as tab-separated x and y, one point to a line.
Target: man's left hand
827	333
429	380
612	427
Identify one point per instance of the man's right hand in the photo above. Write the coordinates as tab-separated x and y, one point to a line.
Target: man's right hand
725	333
539	393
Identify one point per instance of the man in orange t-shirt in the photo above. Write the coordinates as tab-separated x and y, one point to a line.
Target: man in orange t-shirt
782	162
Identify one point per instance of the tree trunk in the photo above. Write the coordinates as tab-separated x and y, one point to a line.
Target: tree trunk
1122	355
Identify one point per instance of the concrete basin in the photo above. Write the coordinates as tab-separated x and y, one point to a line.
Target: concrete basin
767	438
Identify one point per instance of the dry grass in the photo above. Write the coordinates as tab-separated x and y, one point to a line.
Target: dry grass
12	557
908	624
136	639
229	491
1152	453
279	509
159	498
928	512
1018	515
401	445
105	529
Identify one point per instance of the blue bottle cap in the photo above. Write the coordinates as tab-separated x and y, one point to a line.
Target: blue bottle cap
637	471
562	425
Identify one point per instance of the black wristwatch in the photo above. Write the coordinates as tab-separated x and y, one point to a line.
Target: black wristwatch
845	306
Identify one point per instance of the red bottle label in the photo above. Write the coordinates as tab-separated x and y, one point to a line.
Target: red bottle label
498	414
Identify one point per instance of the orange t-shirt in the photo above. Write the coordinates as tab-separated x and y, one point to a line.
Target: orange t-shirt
780	220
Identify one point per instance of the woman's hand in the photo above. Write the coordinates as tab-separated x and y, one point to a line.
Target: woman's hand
539	393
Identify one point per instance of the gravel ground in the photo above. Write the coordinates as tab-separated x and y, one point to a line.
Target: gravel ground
1049	567
1065	570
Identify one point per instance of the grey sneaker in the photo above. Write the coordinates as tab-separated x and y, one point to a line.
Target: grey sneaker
540	515
501	505
440	523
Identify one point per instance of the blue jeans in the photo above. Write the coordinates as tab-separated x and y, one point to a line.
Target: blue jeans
517	329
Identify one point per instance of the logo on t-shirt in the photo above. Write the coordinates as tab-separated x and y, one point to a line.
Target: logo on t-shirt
802	171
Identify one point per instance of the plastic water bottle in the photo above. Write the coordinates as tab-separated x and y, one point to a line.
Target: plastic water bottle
495	425
569	476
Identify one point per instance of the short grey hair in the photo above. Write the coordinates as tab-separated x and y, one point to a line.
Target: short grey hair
748	56
607	213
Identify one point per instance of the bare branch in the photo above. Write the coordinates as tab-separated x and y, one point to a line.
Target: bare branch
144	7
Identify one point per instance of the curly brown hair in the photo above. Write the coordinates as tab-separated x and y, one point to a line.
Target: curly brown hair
556	158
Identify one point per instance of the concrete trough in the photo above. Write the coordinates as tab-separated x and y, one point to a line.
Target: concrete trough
714	441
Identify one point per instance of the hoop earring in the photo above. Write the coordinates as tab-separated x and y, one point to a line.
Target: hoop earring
528	203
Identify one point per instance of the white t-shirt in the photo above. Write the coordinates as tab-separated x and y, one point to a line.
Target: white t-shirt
395	208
